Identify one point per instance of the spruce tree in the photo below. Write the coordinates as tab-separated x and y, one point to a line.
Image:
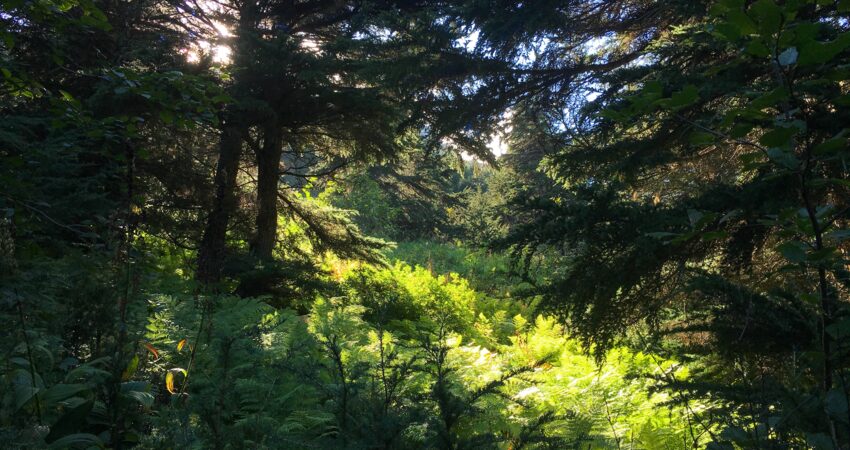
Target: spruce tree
704	195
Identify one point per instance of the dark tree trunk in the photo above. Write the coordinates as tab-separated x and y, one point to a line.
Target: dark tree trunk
211	253
268	175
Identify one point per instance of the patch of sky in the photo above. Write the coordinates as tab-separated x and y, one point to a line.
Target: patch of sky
470	41
527	55
472	87
381	34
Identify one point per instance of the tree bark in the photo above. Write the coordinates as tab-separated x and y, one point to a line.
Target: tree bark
268	176
211	254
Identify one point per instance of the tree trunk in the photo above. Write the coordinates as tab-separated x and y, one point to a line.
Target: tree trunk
268	175
211	253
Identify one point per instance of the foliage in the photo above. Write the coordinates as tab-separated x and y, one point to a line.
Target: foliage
197	201
402	359
487	272
407	198
702	198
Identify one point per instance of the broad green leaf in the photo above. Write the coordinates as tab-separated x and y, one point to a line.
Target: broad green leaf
811	299
778	137
819	441
831	146
757	48
662	235
768	15
742	22
783	158
815	52
685	97
770	99
714	235
145	399
840	329
804	32
130	370
730	31
23	393
20	362
793	251
838	235
73	419
741	129
836	402
166	116
732	4
79	440
701	138
59	392
822	256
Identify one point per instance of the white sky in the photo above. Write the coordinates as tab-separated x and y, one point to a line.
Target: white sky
497	144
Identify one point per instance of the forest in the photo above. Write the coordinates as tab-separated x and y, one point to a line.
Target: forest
425	224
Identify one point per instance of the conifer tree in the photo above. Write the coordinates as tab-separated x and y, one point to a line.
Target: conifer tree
308	79
704	192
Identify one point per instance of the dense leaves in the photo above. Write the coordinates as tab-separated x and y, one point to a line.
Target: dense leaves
424	224
702	195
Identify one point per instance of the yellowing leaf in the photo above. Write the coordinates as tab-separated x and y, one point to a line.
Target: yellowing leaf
181	344
169	382
131	368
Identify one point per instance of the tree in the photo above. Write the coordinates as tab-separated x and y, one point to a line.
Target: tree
312	83
706	194
83	95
